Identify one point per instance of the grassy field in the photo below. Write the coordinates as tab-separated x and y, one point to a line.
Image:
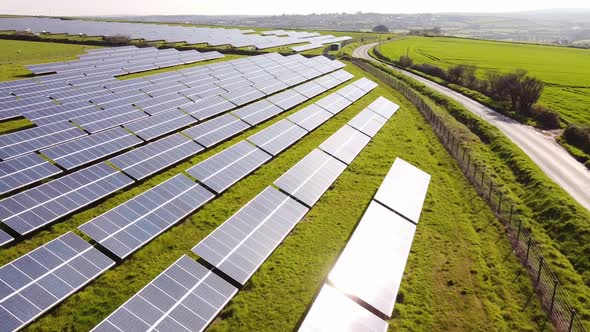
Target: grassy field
566	71
461	274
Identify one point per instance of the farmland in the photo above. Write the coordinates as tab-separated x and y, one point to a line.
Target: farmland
460	275
565	71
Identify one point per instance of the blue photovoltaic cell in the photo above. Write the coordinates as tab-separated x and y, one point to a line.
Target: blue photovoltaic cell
109	118
208	107
222	170
34	208
29	140
35	282
90	148
129	226
24	170
5	238
278	137
160	124
243	242
243	95
185	297
257	112
156	156
287	99
216	130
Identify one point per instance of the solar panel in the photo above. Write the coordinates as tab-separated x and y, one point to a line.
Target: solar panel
257	112
372	264
161	124
404	189
242	243
383	107
311	177
345	144
29	140
229	166
368	122
278	137
37	281
24	170
333	103
84	150
156	156
327	81
270	85
109	118
243	95
287	99
310	117
34	208
365	84
5	238
185	297
131	225
216	130
342	75
162	104
334	311
208	107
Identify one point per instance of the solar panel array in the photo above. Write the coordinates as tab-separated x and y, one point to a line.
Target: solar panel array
370	269
151	32
127	227
34	208
37	281
185	297
5	238
24	170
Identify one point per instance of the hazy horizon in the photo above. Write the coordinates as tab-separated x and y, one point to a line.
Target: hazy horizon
266	8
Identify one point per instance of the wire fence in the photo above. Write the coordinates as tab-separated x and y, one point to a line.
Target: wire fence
545	283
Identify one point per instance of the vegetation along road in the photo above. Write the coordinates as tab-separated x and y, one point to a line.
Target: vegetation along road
567	172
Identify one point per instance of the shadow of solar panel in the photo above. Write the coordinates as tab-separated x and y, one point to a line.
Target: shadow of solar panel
311	177
367	122
276	138
334	311
383	107
404	189
109	118
243	95
160	124
129	226
216	130
29	140
380	245
5	238
156	156
334	103
310	117
185	297
24	170
86	149
345	144
37	281
208	107
229	166
242	243
34	208
287	99
257	112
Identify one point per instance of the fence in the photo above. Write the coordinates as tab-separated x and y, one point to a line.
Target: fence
545	283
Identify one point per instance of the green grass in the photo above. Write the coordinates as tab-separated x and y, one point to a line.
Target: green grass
12	62
457	240
566	71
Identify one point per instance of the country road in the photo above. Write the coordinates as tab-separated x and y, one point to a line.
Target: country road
554	160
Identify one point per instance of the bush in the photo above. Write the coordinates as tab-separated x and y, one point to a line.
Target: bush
431	70
405	61
545	117
578	136
117	39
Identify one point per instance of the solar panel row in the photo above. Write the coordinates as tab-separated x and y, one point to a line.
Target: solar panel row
5	238
24	170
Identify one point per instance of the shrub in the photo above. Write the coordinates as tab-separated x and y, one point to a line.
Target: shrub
117	39
405	61
578	136
431	70
546	117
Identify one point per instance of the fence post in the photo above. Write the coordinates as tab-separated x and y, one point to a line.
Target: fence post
499	211
482	176
511	210
553	297
518	234
572	320
540	269
490	194
528	248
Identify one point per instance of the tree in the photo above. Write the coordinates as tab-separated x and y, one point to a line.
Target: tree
405	61
381	29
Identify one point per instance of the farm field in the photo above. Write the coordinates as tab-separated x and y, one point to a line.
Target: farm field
460	276
565	71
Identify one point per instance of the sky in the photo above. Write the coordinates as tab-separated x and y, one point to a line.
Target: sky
270	7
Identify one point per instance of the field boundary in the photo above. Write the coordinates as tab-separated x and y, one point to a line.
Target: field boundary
545	283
